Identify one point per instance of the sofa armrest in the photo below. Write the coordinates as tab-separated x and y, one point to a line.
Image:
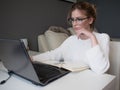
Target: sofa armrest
115	62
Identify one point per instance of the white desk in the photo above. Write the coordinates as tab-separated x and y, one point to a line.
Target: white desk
85	80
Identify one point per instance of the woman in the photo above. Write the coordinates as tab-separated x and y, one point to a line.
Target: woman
87	46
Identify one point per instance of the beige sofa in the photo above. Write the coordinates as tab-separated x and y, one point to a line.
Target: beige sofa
54	36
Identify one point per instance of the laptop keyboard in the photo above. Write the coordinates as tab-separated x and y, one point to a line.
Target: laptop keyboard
48	73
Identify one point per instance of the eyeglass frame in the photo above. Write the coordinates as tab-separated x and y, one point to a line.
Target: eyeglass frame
78	19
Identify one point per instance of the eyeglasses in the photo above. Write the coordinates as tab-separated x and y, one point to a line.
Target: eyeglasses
79	20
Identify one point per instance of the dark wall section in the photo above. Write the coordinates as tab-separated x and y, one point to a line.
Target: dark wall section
108	17
29	18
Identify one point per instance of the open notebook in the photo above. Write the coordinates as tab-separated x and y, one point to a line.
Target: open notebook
73	67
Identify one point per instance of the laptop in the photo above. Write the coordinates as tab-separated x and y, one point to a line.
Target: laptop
16	59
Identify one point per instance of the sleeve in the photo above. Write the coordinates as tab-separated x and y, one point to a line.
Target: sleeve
98	56
49	55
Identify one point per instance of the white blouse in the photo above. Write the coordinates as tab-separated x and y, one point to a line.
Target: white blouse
81	51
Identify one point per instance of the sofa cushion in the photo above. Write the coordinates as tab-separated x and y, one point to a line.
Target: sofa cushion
42	43
59	30
55	39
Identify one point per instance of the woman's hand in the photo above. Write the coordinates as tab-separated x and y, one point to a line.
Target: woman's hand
85	34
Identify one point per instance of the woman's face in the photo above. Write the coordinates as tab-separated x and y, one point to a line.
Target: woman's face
80	20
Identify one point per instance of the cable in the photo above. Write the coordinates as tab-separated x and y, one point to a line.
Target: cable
4	81
9	73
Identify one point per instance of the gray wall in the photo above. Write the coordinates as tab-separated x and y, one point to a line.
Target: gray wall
108	17
29	18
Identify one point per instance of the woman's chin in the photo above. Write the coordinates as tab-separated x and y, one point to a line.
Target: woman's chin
76	29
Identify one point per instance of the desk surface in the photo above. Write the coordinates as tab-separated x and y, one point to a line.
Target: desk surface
84	80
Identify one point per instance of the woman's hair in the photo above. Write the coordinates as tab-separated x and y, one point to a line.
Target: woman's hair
89	8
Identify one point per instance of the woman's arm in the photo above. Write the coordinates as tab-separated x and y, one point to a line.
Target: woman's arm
98	56
49	55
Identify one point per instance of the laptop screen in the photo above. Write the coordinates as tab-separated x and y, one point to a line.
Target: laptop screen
16	59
